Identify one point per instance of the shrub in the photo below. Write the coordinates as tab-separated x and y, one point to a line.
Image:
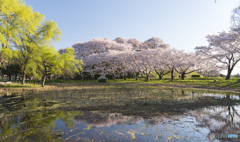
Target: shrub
102	79
195	75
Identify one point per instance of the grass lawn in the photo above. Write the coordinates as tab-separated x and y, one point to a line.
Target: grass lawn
203	83
21	86
220	82
208	82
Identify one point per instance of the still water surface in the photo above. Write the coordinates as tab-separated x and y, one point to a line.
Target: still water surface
118	115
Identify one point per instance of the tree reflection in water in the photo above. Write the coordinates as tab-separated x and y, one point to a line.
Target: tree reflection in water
96	115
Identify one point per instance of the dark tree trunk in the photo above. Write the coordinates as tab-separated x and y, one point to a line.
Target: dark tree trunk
159	77
183	92
229	74
182	76
172	77
147	78
136	77
23	77
10	77
15	77
125	77
43	80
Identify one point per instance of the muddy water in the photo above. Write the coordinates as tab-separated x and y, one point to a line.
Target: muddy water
119	114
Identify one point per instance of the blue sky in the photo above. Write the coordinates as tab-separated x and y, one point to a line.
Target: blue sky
181	23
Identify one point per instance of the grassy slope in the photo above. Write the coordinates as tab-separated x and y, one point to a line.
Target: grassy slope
203	82
176	75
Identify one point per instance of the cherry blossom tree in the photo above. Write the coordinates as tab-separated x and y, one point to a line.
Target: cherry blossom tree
90	65
155	42
208	68
235	19
121	40
116	63
223	48
170	58
116	57
136	44
134	65
187	63
97	46
158	64
146	60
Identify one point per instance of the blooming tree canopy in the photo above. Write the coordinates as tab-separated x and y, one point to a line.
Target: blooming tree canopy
224	49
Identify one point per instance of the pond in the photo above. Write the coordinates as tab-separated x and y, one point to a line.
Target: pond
113	113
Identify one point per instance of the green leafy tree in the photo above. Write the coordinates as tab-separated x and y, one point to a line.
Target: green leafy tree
16	17
10	67
24	30
48	63
69	65
32	44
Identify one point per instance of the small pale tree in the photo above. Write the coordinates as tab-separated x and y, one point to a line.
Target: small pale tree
121	40
97	46
170	58
116	61
224	48
187	63
135	44
208	68
235	19
158	64
90	65
134	64
154	43
146	62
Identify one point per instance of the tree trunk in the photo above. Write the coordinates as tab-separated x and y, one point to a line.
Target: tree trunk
43	80
229	74
159	77
183	92
125	77
147	78
10	77
23	78
172	77
182	76
3	46
136	77
15	77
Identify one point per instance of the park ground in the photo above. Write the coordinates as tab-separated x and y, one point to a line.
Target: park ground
210	84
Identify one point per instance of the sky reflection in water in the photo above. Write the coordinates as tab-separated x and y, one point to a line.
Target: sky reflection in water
156	115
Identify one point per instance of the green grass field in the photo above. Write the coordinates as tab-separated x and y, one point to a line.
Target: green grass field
203	81
206	82
220	82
